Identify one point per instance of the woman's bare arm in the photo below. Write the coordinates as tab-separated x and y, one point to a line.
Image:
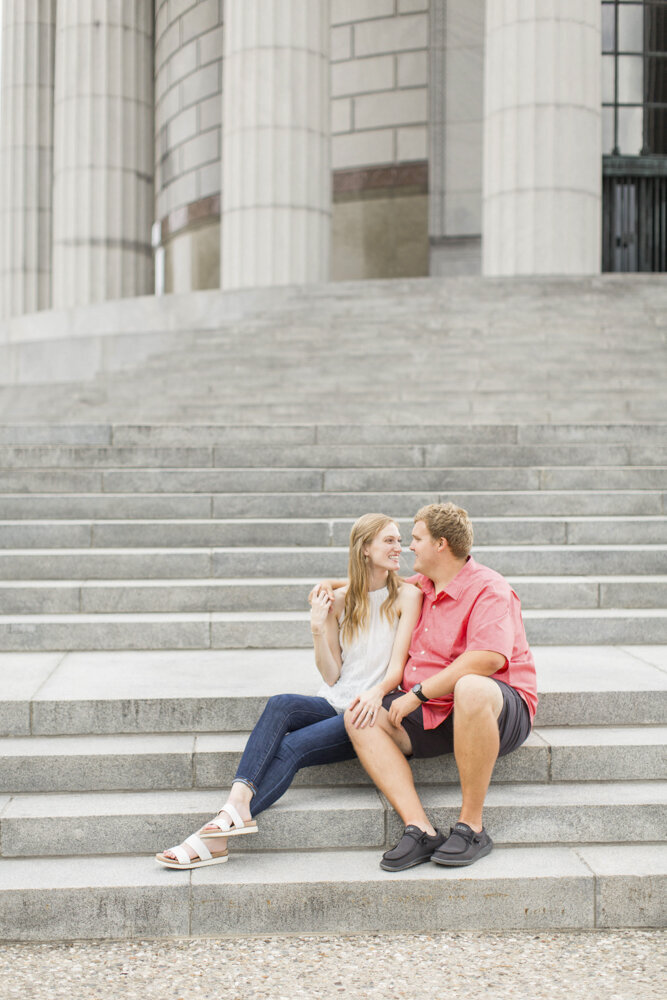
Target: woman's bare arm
366	705
324	615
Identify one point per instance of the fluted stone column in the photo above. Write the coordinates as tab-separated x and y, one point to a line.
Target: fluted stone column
542	138
26	150
103	151
276	179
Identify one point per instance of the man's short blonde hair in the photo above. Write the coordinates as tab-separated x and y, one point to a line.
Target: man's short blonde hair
446	520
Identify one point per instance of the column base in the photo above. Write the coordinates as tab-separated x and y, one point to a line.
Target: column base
452	256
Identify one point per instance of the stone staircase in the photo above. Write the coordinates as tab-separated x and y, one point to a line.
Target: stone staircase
153	582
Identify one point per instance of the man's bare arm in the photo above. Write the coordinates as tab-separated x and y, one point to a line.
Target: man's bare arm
326	587
483	662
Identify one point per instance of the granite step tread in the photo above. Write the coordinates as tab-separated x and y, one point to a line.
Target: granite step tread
50	693
125	822
179	760
173	433
313	561
300	532
513	888
290	594
479	503
328	479
330	455
277	629
303	616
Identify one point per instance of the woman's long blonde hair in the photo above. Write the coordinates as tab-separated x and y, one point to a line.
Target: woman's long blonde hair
357	604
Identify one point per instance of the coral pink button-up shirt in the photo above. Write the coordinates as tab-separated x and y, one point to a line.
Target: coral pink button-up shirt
477	610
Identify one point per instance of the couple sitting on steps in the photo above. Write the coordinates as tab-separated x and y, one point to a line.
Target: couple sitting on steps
411	668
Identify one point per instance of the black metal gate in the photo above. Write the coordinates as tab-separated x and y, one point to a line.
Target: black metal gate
634	214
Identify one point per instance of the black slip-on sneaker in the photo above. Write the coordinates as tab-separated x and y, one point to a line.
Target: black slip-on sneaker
413	848
462	847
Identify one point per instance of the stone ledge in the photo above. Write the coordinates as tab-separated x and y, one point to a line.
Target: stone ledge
519	888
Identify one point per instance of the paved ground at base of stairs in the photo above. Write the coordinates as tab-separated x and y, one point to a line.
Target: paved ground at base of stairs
611	965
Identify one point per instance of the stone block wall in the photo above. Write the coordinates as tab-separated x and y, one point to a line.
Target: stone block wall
379	82
379	123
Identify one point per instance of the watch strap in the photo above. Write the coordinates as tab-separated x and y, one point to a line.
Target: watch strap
417	689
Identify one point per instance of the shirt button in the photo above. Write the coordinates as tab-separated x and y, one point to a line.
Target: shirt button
426	630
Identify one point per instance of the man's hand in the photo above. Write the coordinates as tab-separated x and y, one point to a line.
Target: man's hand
401	707
365	707
324	587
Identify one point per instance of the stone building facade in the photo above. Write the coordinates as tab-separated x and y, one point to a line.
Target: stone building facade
191	144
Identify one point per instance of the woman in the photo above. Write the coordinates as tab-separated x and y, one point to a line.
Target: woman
361	641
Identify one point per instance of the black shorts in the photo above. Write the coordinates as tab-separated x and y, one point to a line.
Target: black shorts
513	725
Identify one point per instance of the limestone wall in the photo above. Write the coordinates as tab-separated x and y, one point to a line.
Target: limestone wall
379	120
379	82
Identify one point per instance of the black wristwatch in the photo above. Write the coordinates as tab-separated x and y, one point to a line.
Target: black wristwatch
417	689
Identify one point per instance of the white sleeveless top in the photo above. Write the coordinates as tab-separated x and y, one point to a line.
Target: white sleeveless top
365	659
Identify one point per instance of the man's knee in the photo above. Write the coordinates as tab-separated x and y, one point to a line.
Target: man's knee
365	734
474	693
355	734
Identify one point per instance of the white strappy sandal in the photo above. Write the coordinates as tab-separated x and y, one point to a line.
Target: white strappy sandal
183	859
236	829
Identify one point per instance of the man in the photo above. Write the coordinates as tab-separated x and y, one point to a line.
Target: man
468	685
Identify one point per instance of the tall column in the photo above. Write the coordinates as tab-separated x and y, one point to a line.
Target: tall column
103	151
26	150
276	177
542	185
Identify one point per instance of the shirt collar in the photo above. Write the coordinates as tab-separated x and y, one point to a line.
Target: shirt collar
456	586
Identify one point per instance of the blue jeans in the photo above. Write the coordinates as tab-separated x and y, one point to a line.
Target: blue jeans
293	731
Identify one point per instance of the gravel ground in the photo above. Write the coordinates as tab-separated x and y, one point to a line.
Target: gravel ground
609	965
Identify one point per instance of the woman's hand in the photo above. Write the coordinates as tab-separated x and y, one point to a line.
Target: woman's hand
321	605
365	707
401	707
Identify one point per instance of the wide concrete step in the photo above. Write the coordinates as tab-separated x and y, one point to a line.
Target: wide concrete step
331	455
150	761
327	479
521	888
485	406
42	597
325	818
201	435
313	562
270	532
479	504
279	629
179	691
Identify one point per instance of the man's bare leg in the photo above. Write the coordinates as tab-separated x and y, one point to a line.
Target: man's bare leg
381	748
478	702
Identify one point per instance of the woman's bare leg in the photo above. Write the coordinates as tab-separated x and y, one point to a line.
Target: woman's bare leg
239	797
